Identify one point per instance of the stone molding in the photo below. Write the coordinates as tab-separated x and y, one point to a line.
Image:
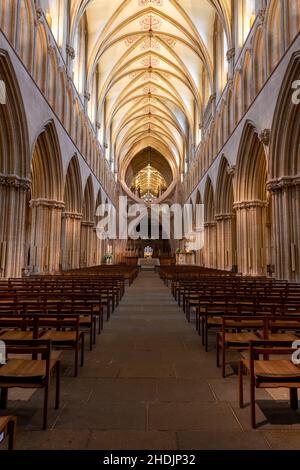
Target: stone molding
283	184
72	215
14	181
50	203
250	204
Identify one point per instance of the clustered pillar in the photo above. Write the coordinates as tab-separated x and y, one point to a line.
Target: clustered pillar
45	235
251	237
210	243
72	232
285	213
13	192
226	234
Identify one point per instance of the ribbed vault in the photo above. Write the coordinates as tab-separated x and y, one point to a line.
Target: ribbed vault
150	72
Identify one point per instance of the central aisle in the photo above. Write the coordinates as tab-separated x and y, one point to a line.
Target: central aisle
147	385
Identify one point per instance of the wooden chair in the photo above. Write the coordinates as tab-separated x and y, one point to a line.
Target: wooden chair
269	373
64	333
236	334
8	428
29	373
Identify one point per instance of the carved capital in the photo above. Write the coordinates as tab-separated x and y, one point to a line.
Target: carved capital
87	95
230	54
265	137
49	203
70	51
255	204
231	170
283	184
224	217
210	224
72	215
87	223
261	15
39	13
15	182
98	125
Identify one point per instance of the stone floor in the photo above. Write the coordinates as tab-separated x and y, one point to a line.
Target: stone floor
148	384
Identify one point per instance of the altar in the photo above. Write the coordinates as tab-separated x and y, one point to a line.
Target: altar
148	263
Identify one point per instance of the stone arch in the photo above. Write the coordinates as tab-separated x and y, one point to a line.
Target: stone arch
284	163
274	36
292	10
258	60
87	255
284	150
46	202
8	15
247	81
72	216
52	78
40	59
25	42
14	173
46	166
210	226
225	216
251	204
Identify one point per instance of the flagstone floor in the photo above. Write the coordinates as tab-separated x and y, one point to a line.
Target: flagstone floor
148	384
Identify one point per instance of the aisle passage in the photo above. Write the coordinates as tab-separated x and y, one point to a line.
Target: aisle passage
148	384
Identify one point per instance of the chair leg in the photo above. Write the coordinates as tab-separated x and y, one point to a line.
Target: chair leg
252	403
76	360
91	337
294	398
218	350
3	398
46	403
202	330
11	434
82	350
223	361
241	388
206	337
57	392
94	328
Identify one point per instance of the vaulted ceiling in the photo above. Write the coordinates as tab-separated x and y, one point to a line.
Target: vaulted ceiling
154	65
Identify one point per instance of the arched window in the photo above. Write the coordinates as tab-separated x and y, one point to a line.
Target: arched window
249	13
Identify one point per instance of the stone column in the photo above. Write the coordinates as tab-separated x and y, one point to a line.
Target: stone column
251	237
71	240
96	247
45	235
286	227
86	244
226	236
210	244
12	224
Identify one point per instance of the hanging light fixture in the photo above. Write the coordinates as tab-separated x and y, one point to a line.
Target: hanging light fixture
148	196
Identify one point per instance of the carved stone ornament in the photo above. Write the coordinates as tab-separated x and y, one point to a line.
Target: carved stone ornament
230	54
51	204
265	137
13	181
70	51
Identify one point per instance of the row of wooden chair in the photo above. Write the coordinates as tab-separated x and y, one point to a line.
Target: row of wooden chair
257	317
40	315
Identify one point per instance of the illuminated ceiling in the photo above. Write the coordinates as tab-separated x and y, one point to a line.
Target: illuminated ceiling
150	172
153	63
